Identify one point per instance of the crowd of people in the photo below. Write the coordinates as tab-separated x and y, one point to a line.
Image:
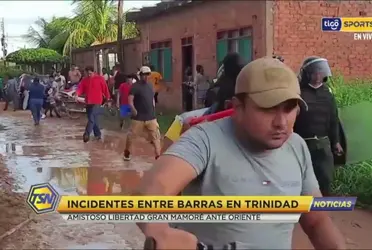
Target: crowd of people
17	91
137	98
135	95
249	148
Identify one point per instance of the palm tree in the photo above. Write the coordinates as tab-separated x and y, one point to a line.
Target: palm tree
52	35
120	33
94	23
38	38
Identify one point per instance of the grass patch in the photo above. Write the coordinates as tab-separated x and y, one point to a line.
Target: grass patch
353	179
113	122
165	120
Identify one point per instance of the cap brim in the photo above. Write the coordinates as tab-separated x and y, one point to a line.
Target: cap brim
272	98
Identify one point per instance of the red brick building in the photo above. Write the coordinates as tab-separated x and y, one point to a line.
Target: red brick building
178	34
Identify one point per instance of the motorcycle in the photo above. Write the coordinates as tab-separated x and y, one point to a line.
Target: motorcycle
67	105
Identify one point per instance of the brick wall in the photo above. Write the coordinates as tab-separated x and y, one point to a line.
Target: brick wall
83	58
132	57
202	22
297	34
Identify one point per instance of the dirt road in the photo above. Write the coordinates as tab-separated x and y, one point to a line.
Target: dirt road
54	153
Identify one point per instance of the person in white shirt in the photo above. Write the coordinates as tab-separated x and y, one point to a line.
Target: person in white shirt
62	78
105	74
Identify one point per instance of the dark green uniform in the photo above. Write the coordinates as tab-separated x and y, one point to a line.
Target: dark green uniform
319	125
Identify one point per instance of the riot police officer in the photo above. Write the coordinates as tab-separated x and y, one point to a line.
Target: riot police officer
319	125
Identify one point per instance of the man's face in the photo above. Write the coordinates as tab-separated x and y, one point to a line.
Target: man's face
316	78
268	128
88	73
145	76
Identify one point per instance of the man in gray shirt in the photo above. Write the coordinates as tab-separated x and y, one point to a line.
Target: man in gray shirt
252	153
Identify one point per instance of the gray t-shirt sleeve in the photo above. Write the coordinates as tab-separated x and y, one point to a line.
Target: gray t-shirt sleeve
192	147
309	181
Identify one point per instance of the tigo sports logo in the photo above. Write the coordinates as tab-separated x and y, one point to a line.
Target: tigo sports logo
42	198
347	24
331	24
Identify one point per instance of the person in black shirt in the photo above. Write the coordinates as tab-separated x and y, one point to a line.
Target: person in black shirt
143	119
232	65
319	125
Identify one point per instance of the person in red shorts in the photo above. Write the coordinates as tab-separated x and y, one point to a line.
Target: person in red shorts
123	92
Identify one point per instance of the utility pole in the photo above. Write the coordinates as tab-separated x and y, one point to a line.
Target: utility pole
120	48
3	42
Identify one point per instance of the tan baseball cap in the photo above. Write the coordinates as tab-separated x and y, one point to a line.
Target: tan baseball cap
268	82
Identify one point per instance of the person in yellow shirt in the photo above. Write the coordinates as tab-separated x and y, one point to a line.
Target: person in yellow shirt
156	79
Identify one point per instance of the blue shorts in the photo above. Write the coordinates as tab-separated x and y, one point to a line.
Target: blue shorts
125	110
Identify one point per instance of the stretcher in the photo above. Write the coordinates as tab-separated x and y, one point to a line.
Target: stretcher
211	117
339	160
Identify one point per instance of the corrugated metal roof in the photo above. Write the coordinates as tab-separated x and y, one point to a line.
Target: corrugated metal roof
147	13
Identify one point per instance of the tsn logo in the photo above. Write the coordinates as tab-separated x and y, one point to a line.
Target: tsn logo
42	198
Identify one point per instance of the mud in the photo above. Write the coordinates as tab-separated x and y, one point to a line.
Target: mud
54	153
13	209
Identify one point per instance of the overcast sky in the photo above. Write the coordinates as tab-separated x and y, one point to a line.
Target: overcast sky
19	15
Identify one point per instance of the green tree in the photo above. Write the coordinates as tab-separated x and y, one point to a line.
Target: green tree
51	35
35	56
95	22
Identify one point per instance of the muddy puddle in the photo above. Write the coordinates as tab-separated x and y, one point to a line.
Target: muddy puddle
56	154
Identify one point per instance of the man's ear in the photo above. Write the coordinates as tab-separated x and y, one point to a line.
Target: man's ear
236	103
228	104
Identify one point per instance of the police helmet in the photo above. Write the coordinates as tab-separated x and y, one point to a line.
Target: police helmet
314	64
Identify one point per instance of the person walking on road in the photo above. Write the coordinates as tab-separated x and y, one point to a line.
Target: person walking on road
26	82
201	87
252	153
96	93
11	93
156	79
319	126
142	105
122	101
36	99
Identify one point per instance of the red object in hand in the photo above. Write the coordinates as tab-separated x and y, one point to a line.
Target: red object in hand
211	117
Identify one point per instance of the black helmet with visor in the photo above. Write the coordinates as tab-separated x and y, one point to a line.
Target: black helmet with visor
314	65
